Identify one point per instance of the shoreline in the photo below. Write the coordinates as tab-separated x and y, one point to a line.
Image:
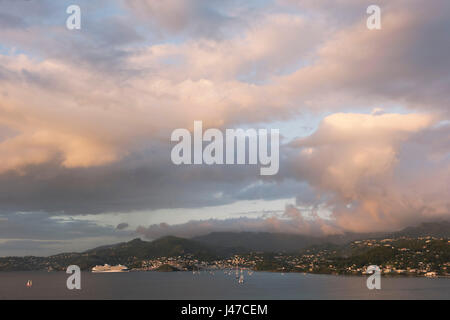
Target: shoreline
254	271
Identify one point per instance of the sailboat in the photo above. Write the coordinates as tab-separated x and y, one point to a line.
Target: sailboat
29	283
241	278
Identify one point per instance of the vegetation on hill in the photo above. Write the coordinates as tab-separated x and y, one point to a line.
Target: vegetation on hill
167	268
127	253
409	249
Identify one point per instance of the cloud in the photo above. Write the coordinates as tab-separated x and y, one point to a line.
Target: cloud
85	117
401	63
42	226
349	147
365	172
210	80
122	226
38	233
10	21
187	17
379	171
292	221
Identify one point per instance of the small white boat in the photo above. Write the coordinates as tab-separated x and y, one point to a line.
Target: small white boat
29	283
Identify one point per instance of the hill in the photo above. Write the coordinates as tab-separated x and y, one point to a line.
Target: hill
209	247
257	241
167	268
128	253
281	242
434	229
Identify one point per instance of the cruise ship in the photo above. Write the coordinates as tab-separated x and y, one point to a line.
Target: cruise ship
108	268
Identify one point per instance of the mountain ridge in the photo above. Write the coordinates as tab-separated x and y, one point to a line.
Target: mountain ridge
283	242
208	247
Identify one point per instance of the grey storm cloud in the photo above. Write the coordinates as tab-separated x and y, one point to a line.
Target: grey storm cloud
121	189
290	221
39	233
42	226
122	226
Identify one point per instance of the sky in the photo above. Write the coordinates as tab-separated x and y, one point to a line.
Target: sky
86	118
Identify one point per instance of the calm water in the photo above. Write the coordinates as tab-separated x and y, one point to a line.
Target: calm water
185	285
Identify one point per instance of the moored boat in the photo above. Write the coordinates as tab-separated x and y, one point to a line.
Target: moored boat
108	268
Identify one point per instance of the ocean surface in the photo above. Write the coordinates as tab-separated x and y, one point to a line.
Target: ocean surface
185	285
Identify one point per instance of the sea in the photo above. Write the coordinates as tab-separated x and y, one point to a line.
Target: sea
219	285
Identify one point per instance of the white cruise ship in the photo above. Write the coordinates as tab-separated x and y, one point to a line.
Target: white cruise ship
108	268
